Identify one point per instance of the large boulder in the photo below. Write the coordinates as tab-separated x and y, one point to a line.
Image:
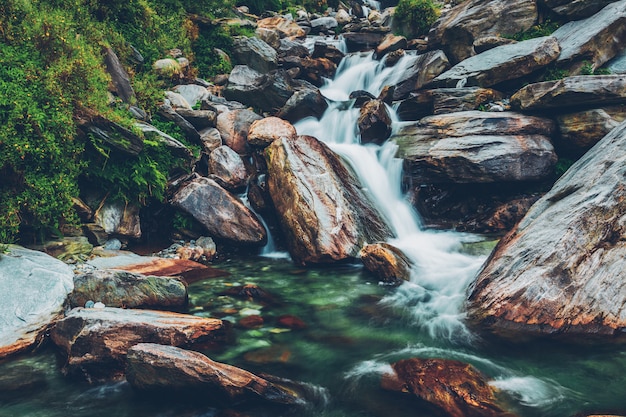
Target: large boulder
453	388
324	213
423	68
450	100
288	28
233	127
254	53
153	367
576	9
117	288
33	289
594	40
503	63
267	92
475	147
223	215
265	131
456	30
304	103
95	341
560	272
578	91
227	168
364	39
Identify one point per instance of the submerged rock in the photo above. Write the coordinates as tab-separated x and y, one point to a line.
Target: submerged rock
560	272
324	213
153	367
33	289
455	388
96	340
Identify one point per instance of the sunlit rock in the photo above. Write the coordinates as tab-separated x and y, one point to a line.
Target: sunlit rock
324	213
374	122
265	131
288	28
560	272
33	289
390	43
387	262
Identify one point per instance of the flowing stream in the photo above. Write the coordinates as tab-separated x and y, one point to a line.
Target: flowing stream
353	327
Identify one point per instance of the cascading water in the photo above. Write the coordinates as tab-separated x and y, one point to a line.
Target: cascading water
441	273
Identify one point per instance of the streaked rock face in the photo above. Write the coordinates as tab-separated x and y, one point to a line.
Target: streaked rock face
560	272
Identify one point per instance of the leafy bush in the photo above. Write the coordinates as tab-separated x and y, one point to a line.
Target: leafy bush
415	17
543	29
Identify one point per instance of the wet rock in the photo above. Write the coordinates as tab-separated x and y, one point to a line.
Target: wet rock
267	92
251	322
365	40
457	389
127	289
594	40
233	126
33	289
472	146
251	292
424	68
577	91
323	24
291	322
387	262
275	354
227	168
374	122
456	31
579	131
324	50
21	381
390	43
95	341
361	97
316	70
506	62
288	28
265	131
223	215
560	271
303	103
392	58
157	368
450	100
254	53
119	77
120	219
576	9
324	214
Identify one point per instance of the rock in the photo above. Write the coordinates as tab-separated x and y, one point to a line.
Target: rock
199	119
254	53
324	50
95	234
267	92
223	215
269	36
473	146
251	292
392	58
211	139
450	100
177	101
390	43
153	367
119	219
251	322
233	126
289	47
387	262
288	28
291	322
316	70
560	271
576	9
456	31
594	40
343	17
423	69
579	131
167	67
69	248
127	289
119	77
304	103
500	64
95	341
323	24
374	122
265	131
453	388
324	214
489	42
168	112
114	134
192	93
577	91
227	168
360	41
174	145
361	97
20	380
33	289
501	218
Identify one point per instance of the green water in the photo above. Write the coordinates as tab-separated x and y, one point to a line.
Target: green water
349	339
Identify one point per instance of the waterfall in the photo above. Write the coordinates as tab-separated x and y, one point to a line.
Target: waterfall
434	296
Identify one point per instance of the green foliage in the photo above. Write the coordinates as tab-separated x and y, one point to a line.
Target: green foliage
208	61
543	29
562	165
587	69
415	17
182	221
553	73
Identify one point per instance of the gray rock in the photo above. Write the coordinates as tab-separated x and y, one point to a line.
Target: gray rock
227	168
374	122
33	289
119	77
477	147
579	131
168	112
233	127
269	36
323	24
119	219
456	31
223	215
200	119
174	145
192	93
576	9
211	139
129	290
560	272
424	68
360	41
594	40
290	47
267	92
304	103
254	53
503	63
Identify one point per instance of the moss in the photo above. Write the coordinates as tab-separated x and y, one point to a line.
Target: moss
415	17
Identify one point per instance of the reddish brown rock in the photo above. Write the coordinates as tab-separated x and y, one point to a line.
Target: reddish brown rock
291	322
233	127
153	367
390	43
374	122
265	131
452	387
387	262
251	322
227	168
288	28
95	340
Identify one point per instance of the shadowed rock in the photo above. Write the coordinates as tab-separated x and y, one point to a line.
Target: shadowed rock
227	168
560	272
581	130
576	9
153	367
324	213
374	122
254	53
422	70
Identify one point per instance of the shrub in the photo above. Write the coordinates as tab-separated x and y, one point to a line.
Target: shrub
415	17
543	29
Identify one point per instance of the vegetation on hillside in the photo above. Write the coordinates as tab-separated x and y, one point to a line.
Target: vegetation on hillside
415	17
